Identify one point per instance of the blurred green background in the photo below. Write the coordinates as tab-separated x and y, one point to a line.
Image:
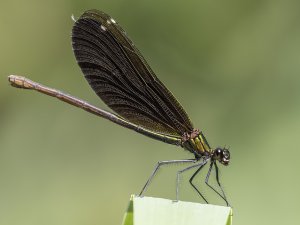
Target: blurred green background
234	66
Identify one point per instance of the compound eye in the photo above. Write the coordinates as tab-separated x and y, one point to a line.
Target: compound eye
226	154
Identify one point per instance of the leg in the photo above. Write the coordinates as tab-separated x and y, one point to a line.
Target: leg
192	178
217	178
218	181
159	164
184	170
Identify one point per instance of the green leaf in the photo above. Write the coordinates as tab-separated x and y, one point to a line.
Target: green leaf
128	217
157	211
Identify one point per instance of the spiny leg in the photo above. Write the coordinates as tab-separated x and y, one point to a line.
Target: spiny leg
192	178
159	164
184	170
218	181
217	178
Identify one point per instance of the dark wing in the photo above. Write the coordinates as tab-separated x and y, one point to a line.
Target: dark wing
121	77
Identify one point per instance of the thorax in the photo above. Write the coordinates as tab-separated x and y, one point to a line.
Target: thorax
196	143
